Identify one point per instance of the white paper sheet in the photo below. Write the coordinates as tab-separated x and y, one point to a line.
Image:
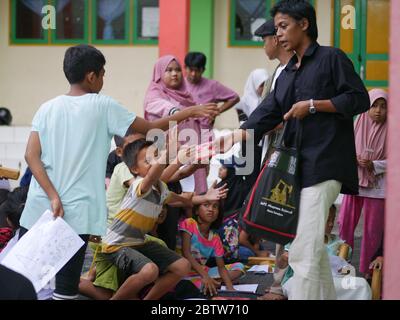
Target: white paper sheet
261	269
43	250
252	288
187	184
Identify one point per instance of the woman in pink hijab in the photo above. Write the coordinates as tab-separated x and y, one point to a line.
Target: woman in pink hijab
166	95
370	135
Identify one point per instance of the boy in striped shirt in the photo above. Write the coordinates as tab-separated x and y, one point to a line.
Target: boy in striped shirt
143	262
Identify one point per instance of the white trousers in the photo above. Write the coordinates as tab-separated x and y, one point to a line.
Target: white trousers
347	288
308	258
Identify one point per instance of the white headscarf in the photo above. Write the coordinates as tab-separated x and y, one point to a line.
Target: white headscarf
250	100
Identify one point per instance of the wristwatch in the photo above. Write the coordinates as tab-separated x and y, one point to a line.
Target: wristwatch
312	108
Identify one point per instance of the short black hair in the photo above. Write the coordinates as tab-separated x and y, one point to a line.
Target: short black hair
14	205
131	152
80	60
298	10
119	141
196	60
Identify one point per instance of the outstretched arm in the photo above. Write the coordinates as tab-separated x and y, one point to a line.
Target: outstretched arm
143	126
176	200
185	172
225	143
154	173
228	104
172	172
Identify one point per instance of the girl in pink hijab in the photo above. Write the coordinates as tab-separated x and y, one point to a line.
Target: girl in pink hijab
370	137
167	94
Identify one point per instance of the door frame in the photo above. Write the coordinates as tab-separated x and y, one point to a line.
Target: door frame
359	56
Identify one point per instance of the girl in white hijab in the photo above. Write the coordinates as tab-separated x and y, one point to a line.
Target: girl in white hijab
252	92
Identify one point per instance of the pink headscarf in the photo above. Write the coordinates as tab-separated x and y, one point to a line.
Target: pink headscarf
159	100
370	138
158	89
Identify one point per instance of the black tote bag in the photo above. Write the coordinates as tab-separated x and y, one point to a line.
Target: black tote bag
272	207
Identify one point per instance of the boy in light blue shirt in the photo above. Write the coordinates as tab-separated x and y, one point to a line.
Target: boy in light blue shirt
67	153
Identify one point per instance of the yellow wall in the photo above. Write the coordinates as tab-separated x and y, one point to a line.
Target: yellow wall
30	75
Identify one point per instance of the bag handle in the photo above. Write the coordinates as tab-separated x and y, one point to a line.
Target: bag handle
280	142
299	133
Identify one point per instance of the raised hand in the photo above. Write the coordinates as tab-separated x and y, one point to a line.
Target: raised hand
214	194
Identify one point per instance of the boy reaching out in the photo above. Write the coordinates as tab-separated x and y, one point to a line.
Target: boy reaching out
143	262
67	153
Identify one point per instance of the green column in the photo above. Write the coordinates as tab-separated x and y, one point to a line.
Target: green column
202	31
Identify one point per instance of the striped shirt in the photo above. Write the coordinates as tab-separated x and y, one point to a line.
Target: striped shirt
202	248
137	216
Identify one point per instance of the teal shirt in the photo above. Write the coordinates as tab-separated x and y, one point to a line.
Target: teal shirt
75	136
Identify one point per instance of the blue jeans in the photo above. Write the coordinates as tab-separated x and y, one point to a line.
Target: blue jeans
245	253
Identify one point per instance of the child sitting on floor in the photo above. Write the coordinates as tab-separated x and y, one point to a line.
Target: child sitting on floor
104	277
353	288
141	262
200	242
251	246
